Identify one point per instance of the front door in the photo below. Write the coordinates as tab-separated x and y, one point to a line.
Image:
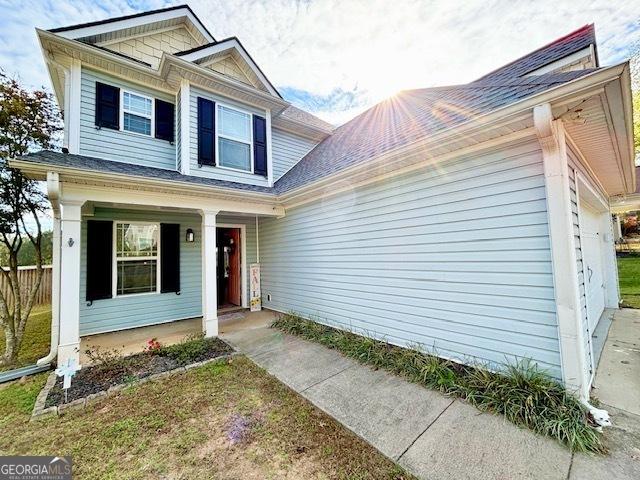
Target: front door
233	294
228	270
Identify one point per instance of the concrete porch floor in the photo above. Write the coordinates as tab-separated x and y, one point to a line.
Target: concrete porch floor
135	340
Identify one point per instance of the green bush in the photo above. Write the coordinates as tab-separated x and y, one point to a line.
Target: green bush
522	393
193	349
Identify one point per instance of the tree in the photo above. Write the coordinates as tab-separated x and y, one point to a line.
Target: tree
28	120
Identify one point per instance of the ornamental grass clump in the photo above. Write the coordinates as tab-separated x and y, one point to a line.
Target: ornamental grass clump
523	393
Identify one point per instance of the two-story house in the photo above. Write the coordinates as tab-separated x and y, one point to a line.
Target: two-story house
471	219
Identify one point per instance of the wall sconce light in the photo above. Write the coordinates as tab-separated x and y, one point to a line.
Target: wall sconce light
190	236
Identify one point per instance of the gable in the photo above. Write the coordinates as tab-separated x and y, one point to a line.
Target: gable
240	71
149	47
236	63
574	51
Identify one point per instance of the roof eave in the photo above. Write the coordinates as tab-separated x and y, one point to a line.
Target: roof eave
559	95
39	170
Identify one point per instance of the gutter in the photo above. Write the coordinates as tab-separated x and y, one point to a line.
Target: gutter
53	191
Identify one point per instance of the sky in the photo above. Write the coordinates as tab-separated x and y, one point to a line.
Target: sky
335	58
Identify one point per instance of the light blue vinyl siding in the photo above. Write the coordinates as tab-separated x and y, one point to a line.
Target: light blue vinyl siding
454	257
218	172
118	145
137	310
288	149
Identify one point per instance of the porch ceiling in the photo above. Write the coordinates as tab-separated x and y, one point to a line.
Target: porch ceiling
598	127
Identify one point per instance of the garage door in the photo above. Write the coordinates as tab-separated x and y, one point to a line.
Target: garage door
591	241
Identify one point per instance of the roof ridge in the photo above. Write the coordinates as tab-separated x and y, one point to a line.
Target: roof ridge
127	17
586	27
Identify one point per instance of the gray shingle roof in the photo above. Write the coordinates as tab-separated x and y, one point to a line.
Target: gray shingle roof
410	116
405	118
100	165
298	115
560	48
396	122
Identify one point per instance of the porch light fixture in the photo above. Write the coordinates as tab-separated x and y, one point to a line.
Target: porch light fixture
190	236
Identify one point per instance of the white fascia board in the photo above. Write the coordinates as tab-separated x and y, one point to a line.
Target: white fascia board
231	44
110	26
550	67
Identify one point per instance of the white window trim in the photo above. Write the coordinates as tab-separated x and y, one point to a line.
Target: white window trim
151	118
235	139
115	260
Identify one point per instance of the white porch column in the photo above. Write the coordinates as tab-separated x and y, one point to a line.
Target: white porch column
617	228
209	278
70	282
551	136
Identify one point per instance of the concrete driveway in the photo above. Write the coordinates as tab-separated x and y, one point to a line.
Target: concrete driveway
436	437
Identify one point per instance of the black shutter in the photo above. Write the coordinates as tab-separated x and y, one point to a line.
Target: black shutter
169	257
206	132
99	259
259	146
107	106
164	120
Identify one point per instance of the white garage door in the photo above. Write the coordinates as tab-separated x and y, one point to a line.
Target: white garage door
590	232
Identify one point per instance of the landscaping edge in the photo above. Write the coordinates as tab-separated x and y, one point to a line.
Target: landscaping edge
40	412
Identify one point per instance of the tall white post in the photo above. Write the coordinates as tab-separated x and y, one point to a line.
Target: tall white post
617	228
209	278
551	136
69	347
185	127
72	113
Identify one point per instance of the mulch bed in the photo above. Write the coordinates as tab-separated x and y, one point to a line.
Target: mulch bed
100	377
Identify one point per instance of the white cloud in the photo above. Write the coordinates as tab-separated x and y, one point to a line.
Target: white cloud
372	47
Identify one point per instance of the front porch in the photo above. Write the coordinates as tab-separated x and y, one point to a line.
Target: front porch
128	342
124	260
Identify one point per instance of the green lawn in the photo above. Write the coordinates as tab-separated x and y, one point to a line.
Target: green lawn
36	340
180	427
629	273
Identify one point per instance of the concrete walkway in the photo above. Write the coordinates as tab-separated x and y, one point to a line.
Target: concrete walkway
433	436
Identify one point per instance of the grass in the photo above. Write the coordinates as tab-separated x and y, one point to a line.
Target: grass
36	340
180	427
629	274
523	394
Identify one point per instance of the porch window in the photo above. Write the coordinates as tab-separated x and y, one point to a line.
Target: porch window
234	138
136	258
137	113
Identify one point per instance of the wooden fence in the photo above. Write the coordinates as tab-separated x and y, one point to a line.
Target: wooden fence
27	277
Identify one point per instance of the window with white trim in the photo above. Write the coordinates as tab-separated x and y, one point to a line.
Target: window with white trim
234	137
137	113
137	258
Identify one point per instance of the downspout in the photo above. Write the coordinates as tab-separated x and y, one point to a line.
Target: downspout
53	191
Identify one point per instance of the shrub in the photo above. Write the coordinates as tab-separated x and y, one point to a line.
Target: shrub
193	348
522	393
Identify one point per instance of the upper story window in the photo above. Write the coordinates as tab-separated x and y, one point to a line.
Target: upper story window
137	113
234	138
129	111
229	137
